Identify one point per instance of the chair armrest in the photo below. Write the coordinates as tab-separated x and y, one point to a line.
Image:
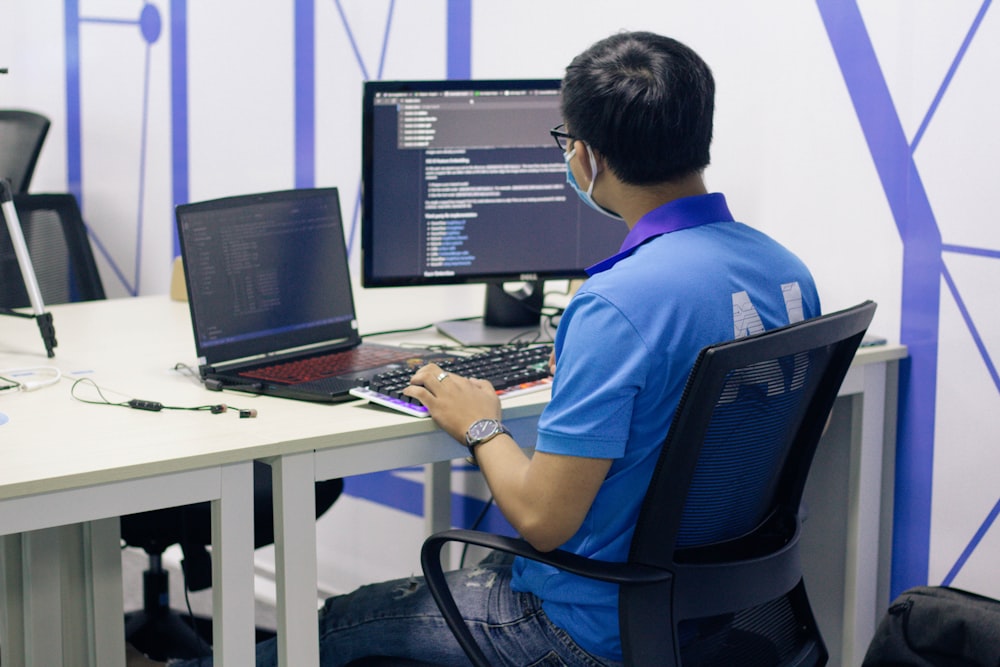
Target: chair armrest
430	560
601	570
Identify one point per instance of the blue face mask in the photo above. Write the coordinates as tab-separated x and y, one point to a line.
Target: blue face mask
587	196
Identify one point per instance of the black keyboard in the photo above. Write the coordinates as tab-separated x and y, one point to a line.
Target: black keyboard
512	370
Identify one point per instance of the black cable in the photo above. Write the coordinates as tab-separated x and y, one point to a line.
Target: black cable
185	369
397	331
474	526
193	623
155	406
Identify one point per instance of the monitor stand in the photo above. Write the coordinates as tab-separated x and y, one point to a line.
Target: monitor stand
509	317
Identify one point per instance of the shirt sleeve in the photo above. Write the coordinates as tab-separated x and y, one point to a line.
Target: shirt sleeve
601	364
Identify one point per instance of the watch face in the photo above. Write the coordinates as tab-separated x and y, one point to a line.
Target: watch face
482	429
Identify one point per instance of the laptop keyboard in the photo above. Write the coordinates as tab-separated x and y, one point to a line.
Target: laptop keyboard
325	366
513	370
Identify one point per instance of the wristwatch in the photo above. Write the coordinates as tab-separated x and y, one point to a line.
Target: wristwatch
482	431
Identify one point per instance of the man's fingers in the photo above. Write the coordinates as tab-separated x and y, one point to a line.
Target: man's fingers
425	374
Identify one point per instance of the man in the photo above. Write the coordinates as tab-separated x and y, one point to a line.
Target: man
638	124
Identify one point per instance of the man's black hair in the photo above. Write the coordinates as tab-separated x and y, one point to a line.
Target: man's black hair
645	102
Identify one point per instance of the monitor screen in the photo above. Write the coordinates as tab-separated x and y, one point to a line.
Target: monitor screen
266	272
462	183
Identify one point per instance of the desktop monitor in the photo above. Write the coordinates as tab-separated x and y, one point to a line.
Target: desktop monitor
462	183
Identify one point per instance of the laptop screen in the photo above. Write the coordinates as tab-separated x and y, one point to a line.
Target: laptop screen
266	273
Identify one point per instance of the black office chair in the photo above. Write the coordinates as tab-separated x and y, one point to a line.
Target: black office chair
60	250
22	134
159	631
717	580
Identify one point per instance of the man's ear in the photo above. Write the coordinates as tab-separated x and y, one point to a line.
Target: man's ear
602	164
583	153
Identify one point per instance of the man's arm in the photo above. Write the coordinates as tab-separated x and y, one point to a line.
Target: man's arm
545	496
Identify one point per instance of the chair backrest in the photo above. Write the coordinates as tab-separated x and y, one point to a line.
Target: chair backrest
722	509
60	251
22	134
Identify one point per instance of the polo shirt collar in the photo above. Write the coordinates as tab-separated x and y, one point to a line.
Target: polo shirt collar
673	216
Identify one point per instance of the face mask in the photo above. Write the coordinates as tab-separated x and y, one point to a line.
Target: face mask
587	196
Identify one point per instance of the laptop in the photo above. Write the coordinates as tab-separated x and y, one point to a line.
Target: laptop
270	295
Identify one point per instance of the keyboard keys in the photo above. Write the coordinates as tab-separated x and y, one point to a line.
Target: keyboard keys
512	370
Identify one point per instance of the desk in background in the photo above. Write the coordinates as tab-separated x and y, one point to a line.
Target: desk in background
86	464
70	469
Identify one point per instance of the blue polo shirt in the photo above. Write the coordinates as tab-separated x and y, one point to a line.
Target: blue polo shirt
687	276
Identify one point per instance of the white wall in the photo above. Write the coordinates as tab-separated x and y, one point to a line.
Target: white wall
789	153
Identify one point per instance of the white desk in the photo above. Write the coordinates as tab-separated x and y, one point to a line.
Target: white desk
70	469
66	462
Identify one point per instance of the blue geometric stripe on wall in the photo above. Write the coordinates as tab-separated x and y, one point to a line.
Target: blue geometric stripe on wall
305	93
149	24
179	148
459	66
386	488
923	270
393	489
459	39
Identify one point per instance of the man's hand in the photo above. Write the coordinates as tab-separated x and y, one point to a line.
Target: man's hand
545	497
454	402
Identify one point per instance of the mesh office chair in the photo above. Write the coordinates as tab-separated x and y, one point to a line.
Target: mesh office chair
22	134
713	574
64	264
60	253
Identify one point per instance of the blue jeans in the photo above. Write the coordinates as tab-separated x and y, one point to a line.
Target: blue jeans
400	619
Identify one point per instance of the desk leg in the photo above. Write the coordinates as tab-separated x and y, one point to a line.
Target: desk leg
41	589
12	630
75	569
862	593
102	560
295	559
92	615
232	568
437	496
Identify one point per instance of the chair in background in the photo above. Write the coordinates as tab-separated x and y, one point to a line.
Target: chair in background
159	631
63	259
22	134
713	574
60	253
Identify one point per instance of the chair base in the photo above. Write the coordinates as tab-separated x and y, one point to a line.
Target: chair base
166	634
163	633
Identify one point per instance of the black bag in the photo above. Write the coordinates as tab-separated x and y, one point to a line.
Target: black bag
937	626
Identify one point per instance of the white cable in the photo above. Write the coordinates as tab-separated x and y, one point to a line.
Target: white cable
53	373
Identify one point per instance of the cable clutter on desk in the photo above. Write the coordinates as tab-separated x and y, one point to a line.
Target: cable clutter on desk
155	406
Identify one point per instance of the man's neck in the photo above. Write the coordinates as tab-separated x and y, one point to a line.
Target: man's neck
637	201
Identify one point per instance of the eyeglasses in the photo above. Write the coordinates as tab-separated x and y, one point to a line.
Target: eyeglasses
561	136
